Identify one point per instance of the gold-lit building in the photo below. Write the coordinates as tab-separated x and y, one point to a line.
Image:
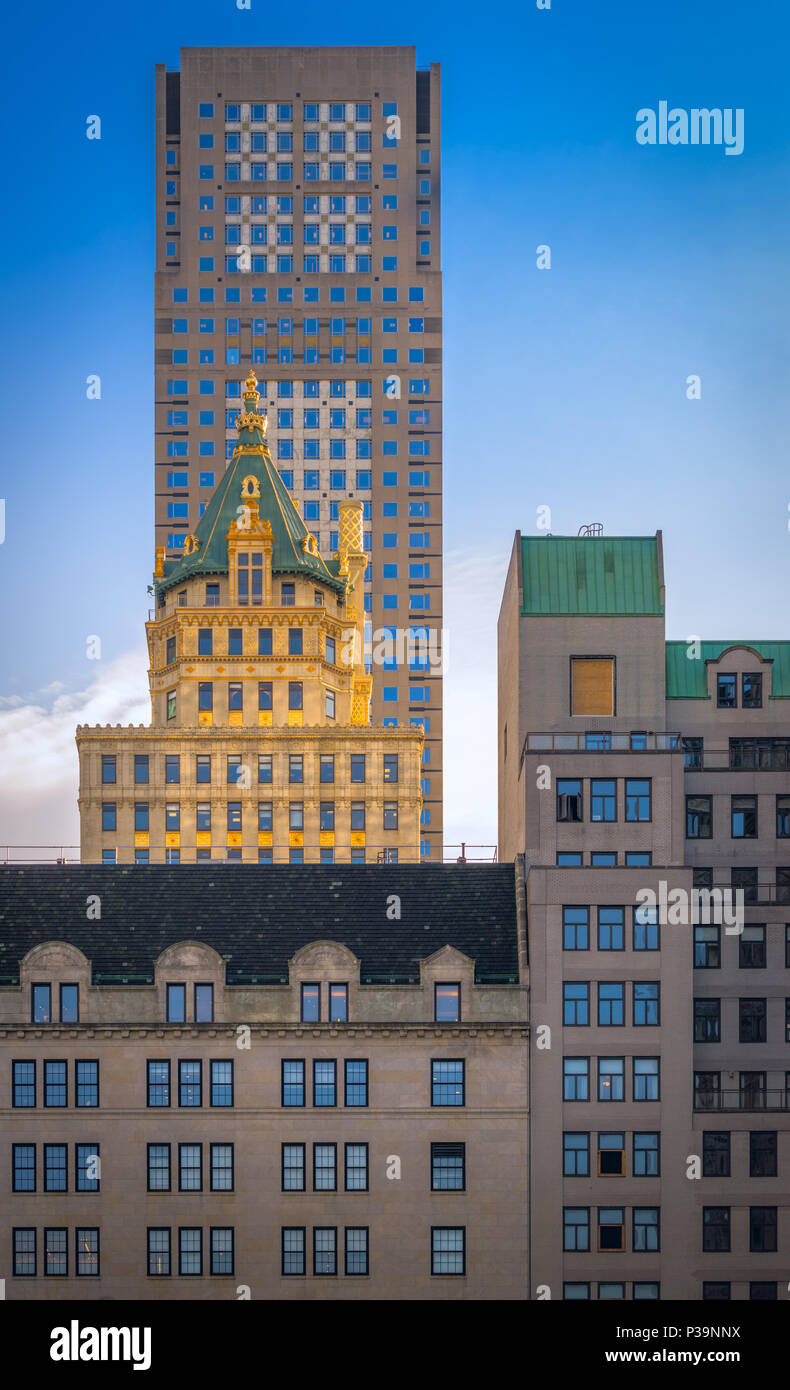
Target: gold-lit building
260	748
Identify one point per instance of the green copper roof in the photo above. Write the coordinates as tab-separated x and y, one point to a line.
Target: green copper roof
251	457
594	575
687	677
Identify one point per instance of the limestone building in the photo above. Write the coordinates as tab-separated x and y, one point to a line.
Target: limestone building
279	1084
260	748
635	773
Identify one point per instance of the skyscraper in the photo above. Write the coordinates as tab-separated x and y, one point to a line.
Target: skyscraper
298	234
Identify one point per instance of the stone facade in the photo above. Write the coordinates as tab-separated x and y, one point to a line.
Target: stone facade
199	1198
260	747
659	1160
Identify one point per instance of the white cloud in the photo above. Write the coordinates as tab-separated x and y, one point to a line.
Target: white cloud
38	755
472	594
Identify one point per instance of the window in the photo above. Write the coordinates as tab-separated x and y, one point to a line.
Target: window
692	754
762	1228
707	1020
576	1078
356	1167
611	1004
447	1003
324	1250
108	769
158	1167
190	1085
293	1250
190	1250
576	1228
698	818
41	1007
358	767
637	799
324	1083
751	948
603	799
295	695
646	1004
356	1249
743	817
646	1154
311	1003
24	1250
141	768
338	1003
158	1083
646	1232
762	1153
158	1250
646	929
204	1003
715	1153
55	1170
55	1083
108	815
575	1005
87	1243
448	1167
448	1250
576	1155
707	1088
296	767
646	1078
569	799
356	1082
751	690
592	685
324	1167
293	1084
611	1228
611	1154
23	1159
576	928
707	948
293	1167
221	1083
611	929
55	1250
611	1078
726	691
176	1003
448	1082
203	767
752	1019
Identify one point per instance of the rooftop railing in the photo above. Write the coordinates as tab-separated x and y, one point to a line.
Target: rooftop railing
771	1099
462	853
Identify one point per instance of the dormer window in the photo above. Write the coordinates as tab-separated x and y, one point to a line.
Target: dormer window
752	690
726	691
318	598
288	594
212	595
249	576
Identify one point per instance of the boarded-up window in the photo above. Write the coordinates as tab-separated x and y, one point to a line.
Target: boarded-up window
592	685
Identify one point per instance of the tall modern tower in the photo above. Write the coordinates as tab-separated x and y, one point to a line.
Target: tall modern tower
298	234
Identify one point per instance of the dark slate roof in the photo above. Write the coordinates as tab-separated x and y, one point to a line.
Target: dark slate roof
257	917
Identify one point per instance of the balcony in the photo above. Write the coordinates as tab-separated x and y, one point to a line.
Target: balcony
602	741
743	1100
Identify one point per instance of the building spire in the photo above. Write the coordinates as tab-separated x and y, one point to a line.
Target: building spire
250	417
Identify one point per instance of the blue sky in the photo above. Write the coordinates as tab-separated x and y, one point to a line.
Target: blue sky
563	387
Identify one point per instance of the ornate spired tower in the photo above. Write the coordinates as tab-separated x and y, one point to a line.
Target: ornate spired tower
260	748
